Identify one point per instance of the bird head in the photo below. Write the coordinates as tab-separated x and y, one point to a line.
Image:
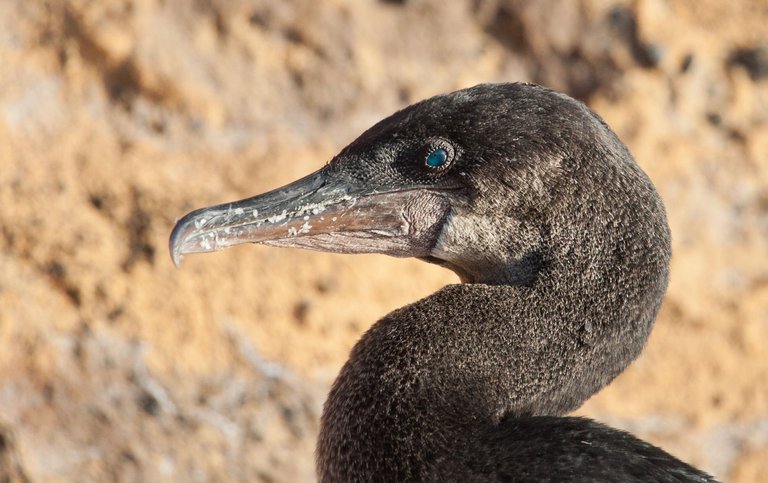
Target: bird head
476	180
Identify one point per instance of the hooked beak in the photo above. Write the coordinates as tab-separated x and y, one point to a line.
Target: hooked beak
320	212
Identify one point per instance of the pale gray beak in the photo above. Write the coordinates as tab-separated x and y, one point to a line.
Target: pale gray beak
320	212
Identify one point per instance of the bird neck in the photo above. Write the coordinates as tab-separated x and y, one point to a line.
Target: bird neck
429	377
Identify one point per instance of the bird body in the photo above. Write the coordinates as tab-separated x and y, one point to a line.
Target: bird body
563	247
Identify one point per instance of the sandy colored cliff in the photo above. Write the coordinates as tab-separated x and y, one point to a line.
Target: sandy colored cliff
117	117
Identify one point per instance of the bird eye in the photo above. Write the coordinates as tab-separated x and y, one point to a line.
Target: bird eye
436	154
437	158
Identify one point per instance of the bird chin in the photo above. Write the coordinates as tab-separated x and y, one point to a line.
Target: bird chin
357	242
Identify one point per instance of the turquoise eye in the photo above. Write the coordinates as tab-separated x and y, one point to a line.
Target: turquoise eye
437	158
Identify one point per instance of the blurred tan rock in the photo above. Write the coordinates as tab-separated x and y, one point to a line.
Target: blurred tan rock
116	117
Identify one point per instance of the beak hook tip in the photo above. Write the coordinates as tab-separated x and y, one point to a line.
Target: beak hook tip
176	258
174	244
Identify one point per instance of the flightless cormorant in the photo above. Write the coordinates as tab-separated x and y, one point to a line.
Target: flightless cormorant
563	246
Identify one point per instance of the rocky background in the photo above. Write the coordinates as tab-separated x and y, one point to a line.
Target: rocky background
117	117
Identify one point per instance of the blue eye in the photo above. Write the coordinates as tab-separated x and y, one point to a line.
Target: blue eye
437	158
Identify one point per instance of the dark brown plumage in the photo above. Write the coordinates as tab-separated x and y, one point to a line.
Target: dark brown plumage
563	245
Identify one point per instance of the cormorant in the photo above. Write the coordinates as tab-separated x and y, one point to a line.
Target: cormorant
563	246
